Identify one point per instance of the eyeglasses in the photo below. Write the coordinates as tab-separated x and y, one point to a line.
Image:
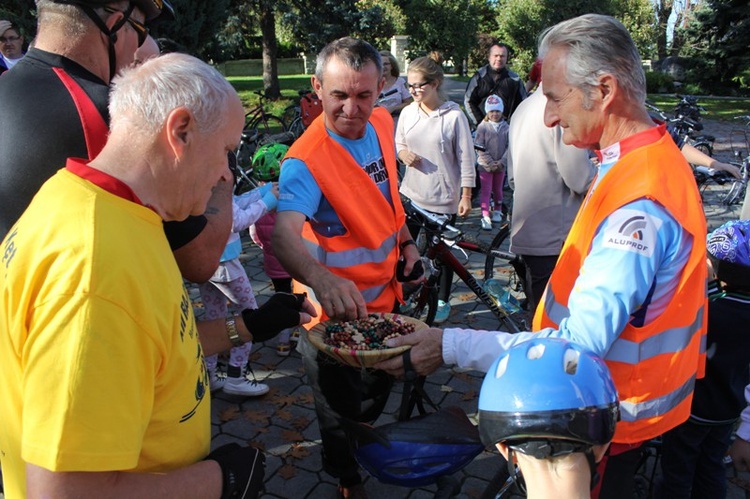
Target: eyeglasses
140	28
6	39
417	87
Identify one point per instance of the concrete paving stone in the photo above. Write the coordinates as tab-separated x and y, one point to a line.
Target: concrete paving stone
296	486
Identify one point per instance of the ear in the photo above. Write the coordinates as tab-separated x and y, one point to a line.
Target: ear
381	85
607	90
114	18
503	449
317	86
179	128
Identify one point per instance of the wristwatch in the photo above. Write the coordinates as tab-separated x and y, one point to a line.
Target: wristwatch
232	334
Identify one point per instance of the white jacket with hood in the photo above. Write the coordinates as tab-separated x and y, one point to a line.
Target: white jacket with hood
442	139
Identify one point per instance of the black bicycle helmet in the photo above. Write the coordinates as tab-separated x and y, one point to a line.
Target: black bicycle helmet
152	9
417	452
729	251
549	392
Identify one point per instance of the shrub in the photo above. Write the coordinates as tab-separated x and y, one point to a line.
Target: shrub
658	82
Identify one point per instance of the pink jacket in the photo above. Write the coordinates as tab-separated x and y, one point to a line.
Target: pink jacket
261	234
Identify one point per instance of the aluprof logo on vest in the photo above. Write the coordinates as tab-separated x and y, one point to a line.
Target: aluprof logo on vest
631	230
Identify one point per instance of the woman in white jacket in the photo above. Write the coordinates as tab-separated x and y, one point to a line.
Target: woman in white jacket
434	141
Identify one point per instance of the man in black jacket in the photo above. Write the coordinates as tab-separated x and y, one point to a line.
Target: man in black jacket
494	78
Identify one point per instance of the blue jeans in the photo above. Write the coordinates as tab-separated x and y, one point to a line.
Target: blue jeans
692	461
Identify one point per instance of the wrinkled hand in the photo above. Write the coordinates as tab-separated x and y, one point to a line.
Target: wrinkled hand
426	352
339	297
242	470
281	311
740	454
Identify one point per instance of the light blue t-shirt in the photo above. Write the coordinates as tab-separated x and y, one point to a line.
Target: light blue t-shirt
299	192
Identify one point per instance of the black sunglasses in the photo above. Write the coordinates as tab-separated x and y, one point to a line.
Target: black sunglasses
140	28
417	87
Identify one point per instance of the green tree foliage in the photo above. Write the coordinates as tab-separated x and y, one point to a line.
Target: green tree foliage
22	13
446	26
520	22
314	24
717	38
196	26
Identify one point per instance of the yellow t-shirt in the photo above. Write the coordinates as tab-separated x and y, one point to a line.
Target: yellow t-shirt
100	364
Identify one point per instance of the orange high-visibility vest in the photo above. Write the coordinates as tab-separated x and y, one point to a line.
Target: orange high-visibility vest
367	254
654	367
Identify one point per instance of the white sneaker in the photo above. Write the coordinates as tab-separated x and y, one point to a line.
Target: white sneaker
443	311
216	380
497	216
245	387
486	223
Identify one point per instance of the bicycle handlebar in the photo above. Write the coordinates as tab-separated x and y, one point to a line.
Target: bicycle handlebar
439	222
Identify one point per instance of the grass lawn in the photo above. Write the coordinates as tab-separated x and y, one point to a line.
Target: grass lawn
716	108
722	109
247	85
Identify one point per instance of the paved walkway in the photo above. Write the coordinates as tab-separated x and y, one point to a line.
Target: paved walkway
283	421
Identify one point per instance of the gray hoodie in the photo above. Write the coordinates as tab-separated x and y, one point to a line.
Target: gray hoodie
443	140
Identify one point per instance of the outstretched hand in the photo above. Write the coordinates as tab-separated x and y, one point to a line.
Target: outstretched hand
281	311
426	352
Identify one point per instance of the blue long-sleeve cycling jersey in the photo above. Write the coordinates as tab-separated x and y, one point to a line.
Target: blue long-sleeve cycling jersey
617	284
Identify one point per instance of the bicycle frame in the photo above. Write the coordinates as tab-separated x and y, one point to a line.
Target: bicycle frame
439	252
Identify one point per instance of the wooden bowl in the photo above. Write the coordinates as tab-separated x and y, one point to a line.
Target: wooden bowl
360	358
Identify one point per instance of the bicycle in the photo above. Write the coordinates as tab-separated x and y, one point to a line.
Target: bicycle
258	119
436	241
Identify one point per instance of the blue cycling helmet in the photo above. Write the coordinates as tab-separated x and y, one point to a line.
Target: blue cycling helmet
417	452
729	252
551	391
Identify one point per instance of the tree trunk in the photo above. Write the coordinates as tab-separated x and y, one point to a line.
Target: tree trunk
270	69
663	10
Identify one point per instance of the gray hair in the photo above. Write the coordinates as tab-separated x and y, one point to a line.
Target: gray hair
142	97
597	45
351	51
69	17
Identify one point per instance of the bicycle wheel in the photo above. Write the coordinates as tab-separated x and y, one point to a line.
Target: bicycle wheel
297	127
705	148
290	114
267	125
510	273
500	244
421	303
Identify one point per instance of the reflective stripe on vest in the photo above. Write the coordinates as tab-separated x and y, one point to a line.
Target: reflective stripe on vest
626	351
630	412
352	257
671	340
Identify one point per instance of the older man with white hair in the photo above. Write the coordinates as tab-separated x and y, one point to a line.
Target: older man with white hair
105	392
630	283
